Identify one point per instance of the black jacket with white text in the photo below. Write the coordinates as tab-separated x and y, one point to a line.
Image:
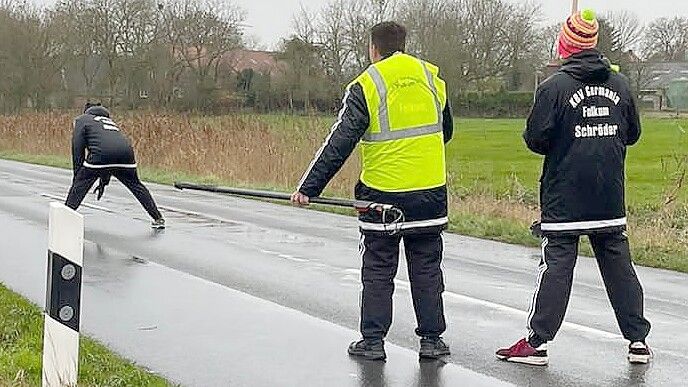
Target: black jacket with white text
583	119
107	146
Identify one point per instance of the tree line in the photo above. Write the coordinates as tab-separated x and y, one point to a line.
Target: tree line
115	49
174	53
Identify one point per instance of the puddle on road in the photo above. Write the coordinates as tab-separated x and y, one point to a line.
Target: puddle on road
198	220
106	264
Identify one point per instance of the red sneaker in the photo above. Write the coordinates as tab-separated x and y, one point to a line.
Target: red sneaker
523	352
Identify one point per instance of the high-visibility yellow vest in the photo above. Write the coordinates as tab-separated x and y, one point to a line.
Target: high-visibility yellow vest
403	148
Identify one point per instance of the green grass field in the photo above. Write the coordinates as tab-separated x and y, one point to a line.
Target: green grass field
491	153
21	333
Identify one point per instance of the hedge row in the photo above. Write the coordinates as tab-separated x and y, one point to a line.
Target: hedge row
493	105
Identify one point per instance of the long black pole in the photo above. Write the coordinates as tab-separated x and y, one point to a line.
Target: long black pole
359	205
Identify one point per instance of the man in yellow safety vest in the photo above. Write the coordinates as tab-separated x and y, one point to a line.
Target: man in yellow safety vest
399	112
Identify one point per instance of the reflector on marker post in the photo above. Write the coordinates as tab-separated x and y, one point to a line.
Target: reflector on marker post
63	297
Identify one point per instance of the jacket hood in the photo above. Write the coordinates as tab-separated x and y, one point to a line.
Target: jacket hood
587	66
98	111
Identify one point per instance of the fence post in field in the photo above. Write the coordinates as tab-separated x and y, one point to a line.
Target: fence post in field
63	297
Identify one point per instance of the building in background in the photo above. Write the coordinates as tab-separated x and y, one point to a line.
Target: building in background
661	76
256	75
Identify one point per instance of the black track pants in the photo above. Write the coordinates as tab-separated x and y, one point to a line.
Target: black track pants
424	254
556	277
86	177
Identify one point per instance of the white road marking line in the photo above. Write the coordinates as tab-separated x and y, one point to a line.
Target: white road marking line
292	258
521	313
201	215
92	206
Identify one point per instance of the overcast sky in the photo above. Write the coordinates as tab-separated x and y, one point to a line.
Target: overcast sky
270	20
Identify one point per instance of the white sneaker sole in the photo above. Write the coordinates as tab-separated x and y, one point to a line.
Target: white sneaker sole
639	359
530	360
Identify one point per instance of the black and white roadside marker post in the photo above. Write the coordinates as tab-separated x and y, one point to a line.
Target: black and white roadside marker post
63	297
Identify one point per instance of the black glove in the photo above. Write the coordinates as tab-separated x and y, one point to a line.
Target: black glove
100	189
536	229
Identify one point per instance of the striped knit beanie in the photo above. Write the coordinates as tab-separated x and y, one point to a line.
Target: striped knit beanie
578	33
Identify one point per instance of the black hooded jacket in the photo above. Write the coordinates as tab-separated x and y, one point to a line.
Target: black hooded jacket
107	146
583	119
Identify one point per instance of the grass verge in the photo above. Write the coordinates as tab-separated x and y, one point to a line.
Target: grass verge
21	343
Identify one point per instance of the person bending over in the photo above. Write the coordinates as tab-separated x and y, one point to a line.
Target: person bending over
109	154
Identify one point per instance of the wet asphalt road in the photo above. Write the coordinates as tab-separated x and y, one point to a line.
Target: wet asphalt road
237	292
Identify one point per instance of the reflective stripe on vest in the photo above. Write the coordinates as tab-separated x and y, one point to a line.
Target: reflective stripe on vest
402	150
386	132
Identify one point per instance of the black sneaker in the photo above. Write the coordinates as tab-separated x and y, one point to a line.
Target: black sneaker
433	348
158	224
368	350
639	353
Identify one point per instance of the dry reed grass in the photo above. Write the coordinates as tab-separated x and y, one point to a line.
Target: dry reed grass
244	150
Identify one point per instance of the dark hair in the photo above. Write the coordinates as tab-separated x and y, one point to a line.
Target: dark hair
388	37
90	105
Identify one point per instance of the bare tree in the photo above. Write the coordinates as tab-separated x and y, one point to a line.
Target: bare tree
175	48
640	74
331	37
667	39
304	74
357	27
627	30
523	45
425	36
340	30
138	31
76	25
303	24
113	48
380	10
549	41
30	56
436	35
199	35
106	39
